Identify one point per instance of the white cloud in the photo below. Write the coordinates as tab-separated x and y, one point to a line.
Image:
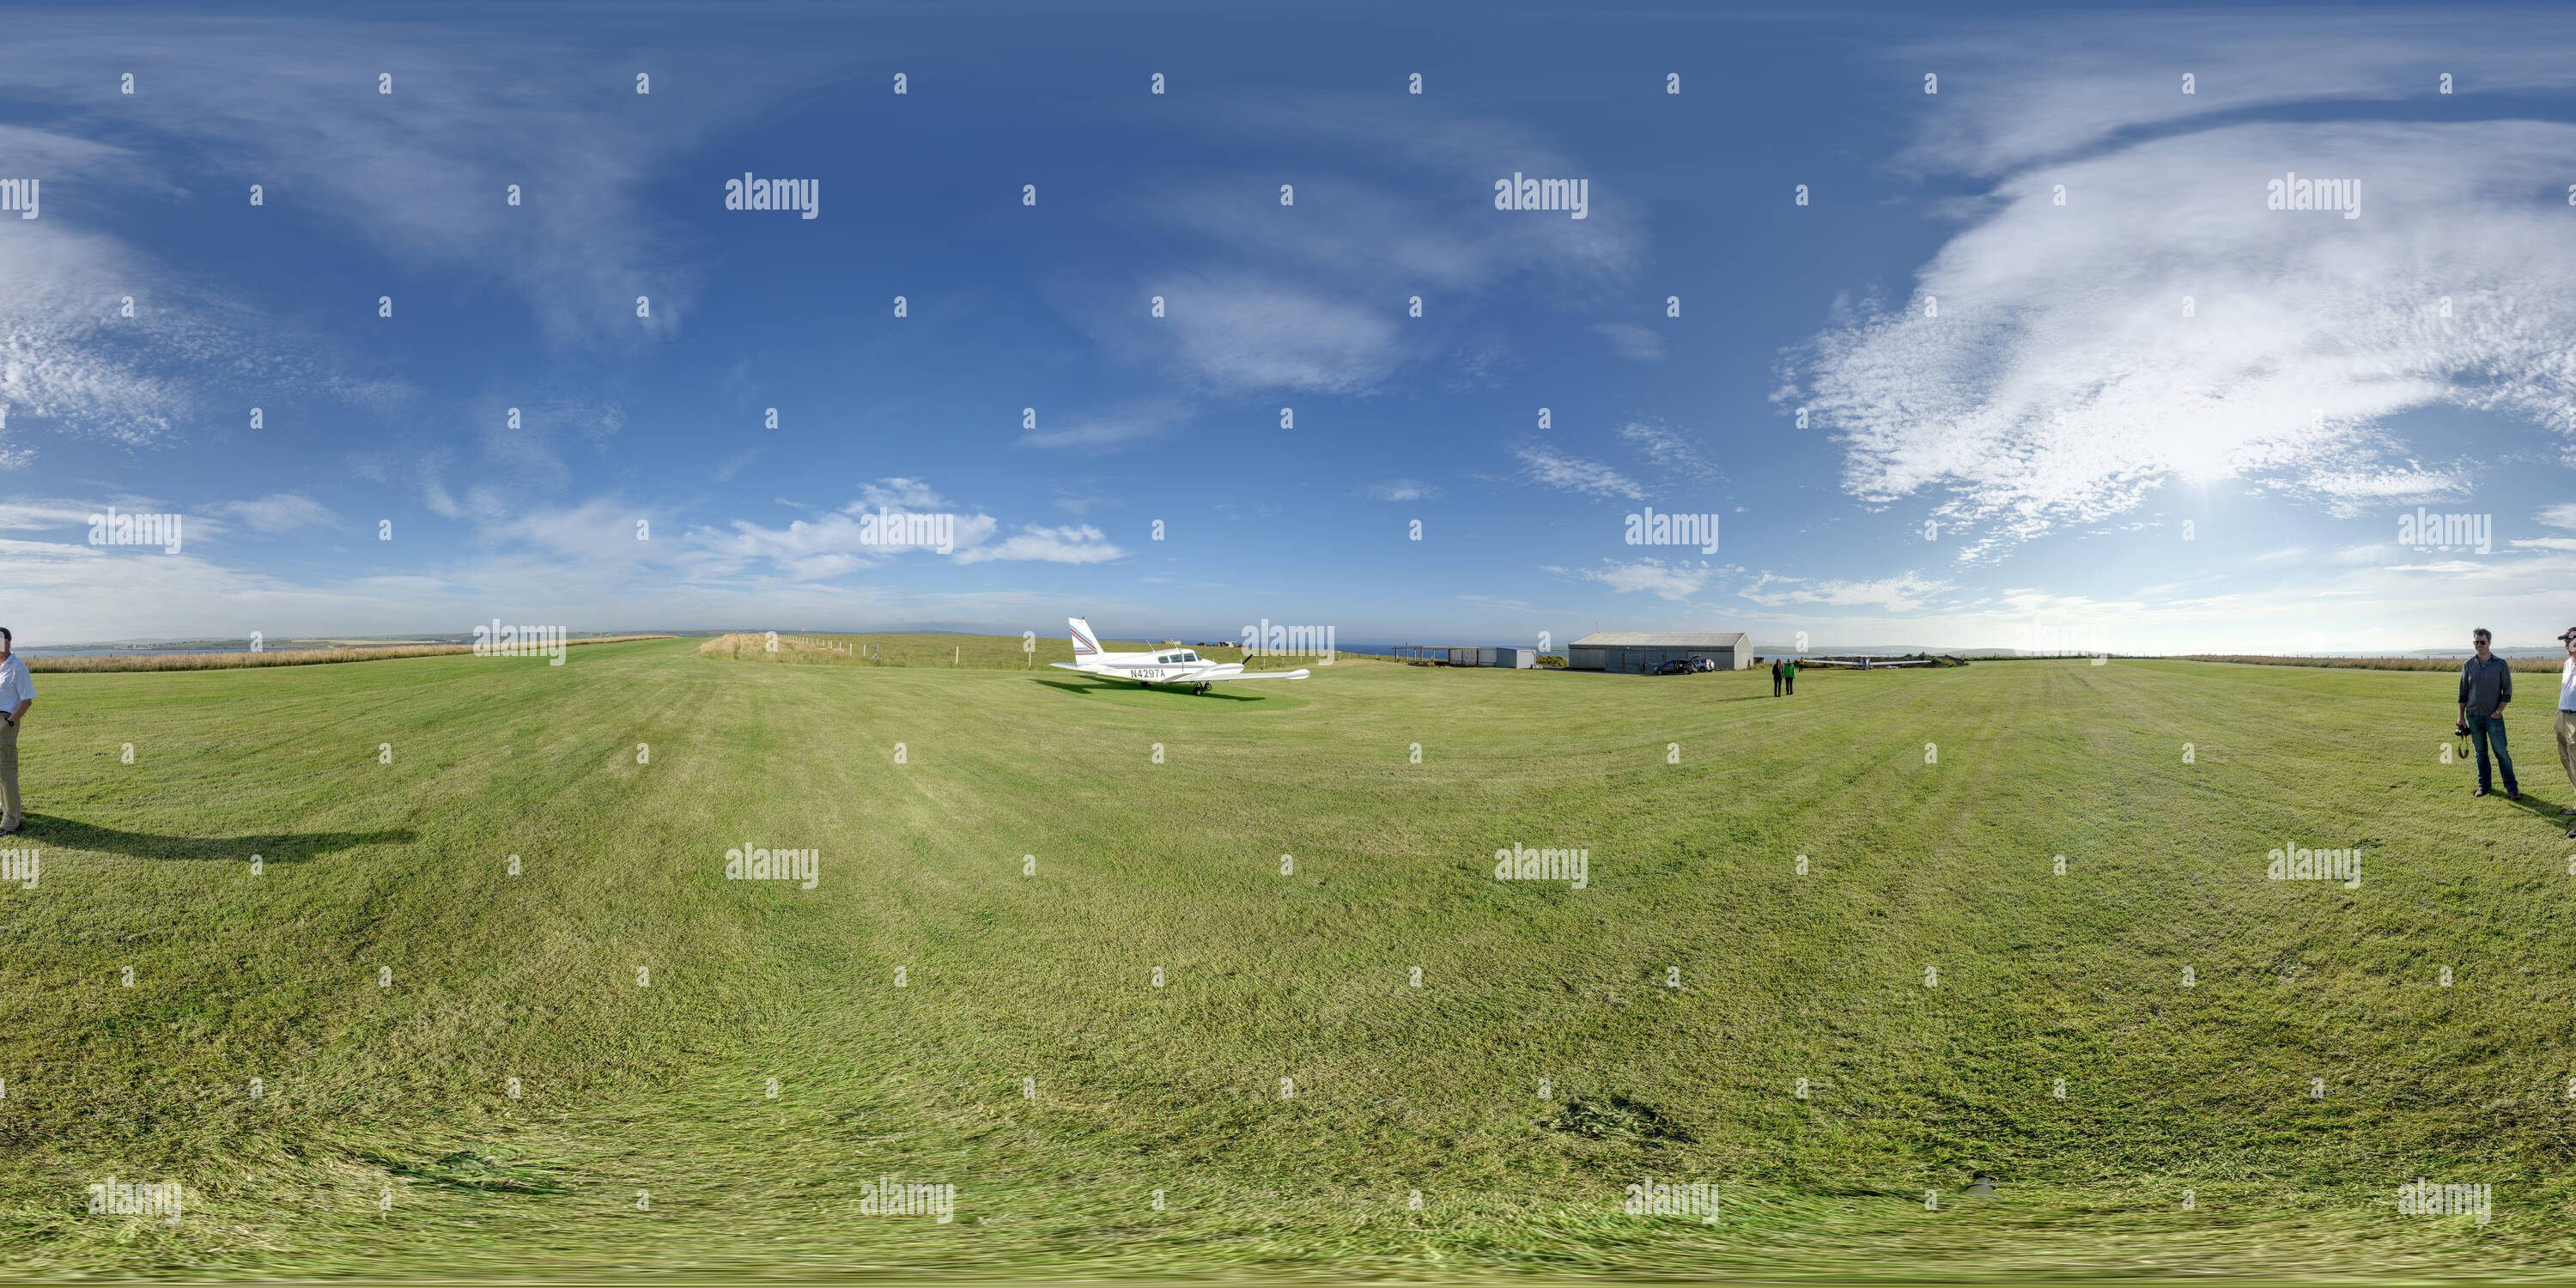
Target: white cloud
1629	340
420	173
600	531
1082	503
1401	490
2558	516
1670	452
1903	593
66	356
732	465
1107	431
2061	382
838	543
1245	334
398	169
899	494
1544	465
1675	581
2037	89
1073	544
1262	296
28	514
435	496
279	512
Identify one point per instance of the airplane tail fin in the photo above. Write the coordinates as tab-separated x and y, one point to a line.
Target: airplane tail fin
1086	646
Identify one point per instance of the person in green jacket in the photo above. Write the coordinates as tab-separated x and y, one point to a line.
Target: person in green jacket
1789	672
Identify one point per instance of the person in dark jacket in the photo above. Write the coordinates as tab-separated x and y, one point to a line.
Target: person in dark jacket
1775	677
2486	685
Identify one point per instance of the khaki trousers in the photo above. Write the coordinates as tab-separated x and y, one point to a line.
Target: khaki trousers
9	774
2565	729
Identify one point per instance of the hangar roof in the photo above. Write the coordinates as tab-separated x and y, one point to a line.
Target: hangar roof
1662	639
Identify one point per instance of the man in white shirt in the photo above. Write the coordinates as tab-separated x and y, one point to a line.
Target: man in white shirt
2566	727
18	692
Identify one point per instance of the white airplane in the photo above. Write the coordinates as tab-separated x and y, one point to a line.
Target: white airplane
1162	666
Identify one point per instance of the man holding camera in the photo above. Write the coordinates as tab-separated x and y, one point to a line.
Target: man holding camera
2486	686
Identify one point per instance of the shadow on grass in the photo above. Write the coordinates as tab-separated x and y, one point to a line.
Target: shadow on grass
2545	809
1158	692
475	1173
279	847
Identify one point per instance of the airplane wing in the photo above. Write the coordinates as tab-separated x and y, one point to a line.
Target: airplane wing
1073	666
1298	674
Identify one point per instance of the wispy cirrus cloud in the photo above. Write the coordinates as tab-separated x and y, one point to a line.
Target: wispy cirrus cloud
1401	490
1318	296
278	512
1631	341
1670	450
421	173
1676	581
2160	322
1544	465
846	540
1902	593
1105	431
2079	84
1078	543
2213	338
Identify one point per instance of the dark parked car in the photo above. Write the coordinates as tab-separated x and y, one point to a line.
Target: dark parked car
1678	666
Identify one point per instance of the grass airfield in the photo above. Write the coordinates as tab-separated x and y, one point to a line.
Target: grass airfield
935	1011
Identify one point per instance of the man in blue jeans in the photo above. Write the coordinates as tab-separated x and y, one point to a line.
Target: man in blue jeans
2486	685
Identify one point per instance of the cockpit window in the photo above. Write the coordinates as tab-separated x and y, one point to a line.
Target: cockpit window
1189	657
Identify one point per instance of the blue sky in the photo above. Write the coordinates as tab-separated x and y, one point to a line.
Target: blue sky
2021	375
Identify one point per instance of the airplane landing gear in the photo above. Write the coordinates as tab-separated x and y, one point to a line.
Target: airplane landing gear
1200	689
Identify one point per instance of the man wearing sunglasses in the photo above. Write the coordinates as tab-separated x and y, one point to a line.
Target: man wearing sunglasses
2486	686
